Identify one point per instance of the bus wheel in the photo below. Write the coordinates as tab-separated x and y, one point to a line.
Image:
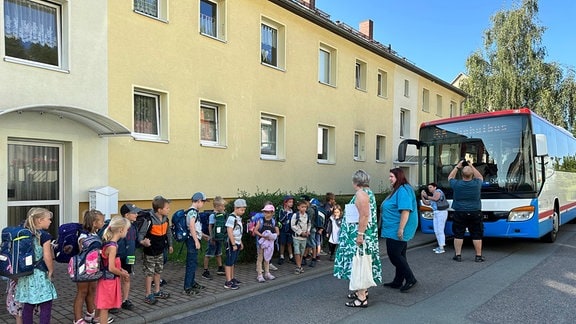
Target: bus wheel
551	237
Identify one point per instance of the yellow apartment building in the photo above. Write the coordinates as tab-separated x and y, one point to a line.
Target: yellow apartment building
220	96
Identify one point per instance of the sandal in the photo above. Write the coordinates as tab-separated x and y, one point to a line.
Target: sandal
353	295
358	303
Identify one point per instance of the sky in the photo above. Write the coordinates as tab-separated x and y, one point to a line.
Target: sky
439	35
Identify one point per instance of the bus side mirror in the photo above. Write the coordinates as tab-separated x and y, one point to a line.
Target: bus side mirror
540	144
403	146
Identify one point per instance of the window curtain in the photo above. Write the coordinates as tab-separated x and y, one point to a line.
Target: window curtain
149	7
33	172
145	115
269	44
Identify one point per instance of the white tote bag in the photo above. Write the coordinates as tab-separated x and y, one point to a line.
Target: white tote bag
361	275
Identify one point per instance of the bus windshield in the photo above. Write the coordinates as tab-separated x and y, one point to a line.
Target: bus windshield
499	147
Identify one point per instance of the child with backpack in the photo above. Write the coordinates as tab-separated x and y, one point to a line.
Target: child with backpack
285	237
155	235
266	232
109	292
85	291
300	224
333	230
37	290
127	251
191	287
234	244
217	233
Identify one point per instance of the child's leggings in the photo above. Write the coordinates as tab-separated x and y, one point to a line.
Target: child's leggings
45	312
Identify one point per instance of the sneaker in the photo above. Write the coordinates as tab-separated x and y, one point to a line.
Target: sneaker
291	260
88	317
114	310
161	295
82	321
269	276
322	253
457	258
479	258
439	251
280	261
236	281
206	275
435	249
273	267
303	261
260	278
191	291
150	299
220	271
230	285
162	283
298	271
312	263
96	320
198	286
127	304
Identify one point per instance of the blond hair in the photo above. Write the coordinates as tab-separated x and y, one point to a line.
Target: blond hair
117	224
33	215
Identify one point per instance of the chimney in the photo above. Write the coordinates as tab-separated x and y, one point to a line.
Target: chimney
367	28
310	4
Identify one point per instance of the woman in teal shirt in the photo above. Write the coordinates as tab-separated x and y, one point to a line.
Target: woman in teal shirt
399	222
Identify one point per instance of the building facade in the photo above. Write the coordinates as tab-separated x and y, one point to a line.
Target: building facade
214	95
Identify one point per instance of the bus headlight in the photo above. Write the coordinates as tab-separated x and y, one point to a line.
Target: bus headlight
426	212
521	214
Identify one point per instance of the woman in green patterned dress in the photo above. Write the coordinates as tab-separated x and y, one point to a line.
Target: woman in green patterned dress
364	232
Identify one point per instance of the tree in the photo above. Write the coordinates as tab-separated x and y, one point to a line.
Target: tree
510	71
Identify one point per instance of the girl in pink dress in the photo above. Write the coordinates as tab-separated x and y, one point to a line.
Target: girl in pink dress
108	291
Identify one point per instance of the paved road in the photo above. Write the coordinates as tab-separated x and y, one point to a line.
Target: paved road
521	282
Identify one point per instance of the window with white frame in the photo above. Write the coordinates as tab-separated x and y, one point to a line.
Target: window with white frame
452	109
406	88
326	144
34	32
382	83
404	123
360	75
271	136
150	114
272	42
212	18
212	124
359	146
154	8
327	65
426	100
438	105
380	148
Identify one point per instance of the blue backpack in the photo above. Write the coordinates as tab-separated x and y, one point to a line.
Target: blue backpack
319	213
180	231
17	252
67	242
204	218
254	221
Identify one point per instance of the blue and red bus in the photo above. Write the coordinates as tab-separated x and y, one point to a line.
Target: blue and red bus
528	165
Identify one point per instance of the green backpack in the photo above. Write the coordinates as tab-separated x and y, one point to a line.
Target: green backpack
220	232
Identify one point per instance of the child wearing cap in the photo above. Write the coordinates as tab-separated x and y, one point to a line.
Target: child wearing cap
234	243
285	238
191	287
266	232
127	251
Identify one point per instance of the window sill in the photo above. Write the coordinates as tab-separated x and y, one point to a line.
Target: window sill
164	20
271	158
381	161
327	84
359	160
325	162
213	145
147	139
360	89
36	64
213	37
381	96
281	69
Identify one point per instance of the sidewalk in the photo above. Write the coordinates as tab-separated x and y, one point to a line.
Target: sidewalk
179	302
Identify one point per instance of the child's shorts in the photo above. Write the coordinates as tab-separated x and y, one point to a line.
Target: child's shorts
231	255
299	246
311	241
213	249
153	264
319	239
285	238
